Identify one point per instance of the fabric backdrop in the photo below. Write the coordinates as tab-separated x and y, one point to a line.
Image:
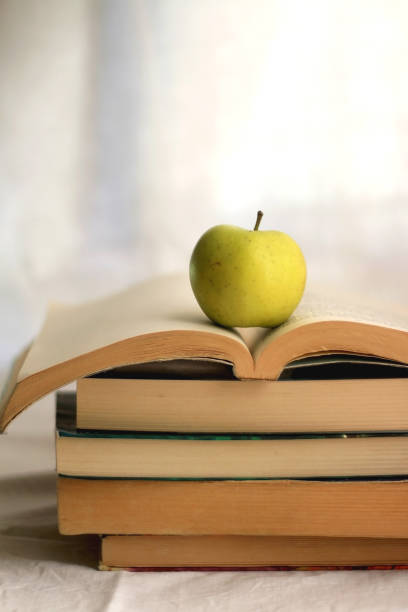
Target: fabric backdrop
128	128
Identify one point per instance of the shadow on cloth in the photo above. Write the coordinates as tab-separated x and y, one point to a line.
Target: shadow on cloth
29	524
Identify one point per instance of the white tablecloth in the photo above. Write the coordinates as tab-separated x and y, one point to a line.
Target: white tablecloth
41	570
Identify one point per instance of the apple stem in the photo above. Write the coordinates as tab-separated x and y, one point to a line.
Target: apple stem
258	220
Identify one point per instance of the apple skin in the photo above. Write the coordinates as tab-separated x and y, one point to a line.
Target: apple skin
247	278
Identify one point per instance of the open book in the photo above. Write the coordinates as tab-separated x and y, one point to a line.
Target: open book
160	320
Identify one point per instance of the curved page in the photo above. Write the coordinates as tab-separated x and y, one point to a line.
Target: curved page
158	319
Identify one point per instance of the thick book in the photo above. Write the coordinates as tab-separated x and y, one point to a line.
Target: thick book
107	454
256	552
362	509
160	320
353	405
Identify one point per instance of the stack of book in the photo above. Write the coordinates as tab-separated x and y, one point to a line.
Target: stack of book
231	499
188	445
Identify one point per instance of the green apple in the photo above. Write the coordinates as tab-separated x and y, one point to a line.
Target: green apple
246	278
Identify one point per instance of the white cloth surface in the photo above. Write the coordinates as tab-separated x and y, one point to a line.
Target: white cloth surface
40	570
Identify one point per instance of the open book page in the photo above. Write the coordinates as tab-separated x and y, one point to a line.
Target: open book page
8	378
162	304
153	321
253	337
319	305
327	323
